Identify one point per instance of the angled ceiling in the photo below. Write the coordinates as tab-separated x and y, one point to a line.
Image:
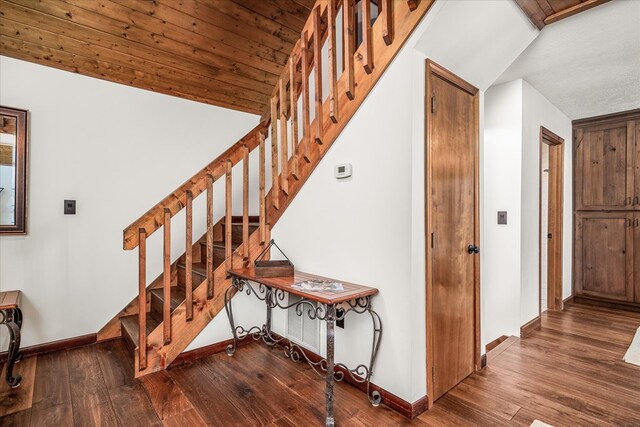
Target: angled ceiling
545	12
225	53
586	65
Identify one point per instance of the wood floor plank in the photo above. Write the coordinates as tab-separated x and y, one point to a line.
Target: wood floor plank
58	415
165	395
89	396
18	419
115	364
18	398
208	398
48	392
189	418
132	406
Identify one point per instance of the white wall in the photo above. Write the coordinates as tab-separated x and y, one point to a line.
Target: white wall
538	111
370	229
501	244
117	150
510	270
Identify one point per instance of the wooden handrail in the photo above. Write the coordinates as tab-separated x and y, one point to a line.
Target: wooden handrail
153	219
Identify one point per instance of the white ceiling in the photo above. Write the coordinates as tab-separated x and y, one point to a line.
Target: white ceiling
588	64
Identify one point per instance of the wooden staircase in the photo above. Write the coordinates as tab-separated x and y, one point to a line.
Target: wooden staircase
173	309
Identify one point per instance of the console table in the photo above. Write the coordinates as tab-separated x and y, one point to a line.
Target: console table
11	316
316	305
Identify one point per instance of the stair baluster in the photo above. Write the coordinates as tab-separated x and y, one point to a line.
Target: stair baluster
333	63
189	257
142	298
166	275
284	146
261	188
317	69
275	187
228	253
210	275
245	207
293	113
306	125
367	51
349	45
385	12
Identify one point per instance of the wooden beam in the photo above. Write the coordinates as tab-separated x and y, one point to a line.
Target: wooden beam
533	11
585	5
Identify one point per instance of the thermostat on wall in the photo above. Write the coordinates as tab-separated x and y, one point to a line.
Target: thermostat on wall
343	170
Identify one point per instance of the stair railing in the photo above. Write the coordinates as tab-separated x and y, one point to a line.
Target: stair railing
293	156
160	216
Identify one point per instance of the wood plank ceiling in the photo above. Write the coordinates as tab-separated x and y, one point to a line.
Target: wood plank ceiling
545	12
221	52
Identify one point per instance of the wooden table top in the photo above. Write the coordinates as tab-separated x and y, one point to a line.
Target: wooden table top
351	290
9	300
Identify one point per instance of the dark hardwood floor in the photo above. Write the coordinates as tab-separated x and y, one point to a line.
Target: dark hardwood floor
570	373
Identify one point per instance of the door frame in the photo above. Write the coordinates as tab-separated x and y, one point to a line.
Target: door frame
432	69
556	191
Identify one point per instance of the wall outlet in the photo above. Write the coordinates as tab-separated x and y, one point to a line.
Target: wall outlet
340	322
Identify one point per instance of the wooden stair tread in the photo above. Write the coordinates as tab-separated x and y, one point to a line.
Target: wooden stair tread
178	295
130	327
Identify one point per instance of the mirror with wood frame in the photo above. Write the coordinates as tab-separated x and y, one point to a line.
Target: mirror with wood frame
13	171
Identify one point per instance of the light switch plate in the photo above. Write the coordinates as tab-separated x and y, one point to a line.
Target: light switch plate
69	207
502	217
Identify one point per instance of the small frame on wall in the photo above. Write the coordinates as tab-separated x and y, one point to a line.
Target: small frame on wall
13	171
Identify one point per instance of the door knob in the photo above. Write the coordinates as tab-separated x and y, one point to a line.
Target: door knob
473	249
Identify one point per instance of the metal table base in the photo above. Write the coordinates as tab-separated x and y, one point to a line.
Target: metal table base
314	310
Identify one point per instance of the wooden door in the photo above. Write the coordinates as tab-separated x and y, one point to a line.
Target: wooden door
604	177
604	255
554	213
636	163
452	230
636	247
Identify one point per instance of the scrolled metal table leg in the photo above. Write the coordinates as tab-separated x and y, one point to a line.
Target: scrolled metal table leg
231	348
14	347
331	321
18	314
374	397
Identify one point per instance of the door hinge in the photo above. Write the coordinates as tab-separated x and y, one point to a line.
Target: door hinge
433	103
432	240
549	236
